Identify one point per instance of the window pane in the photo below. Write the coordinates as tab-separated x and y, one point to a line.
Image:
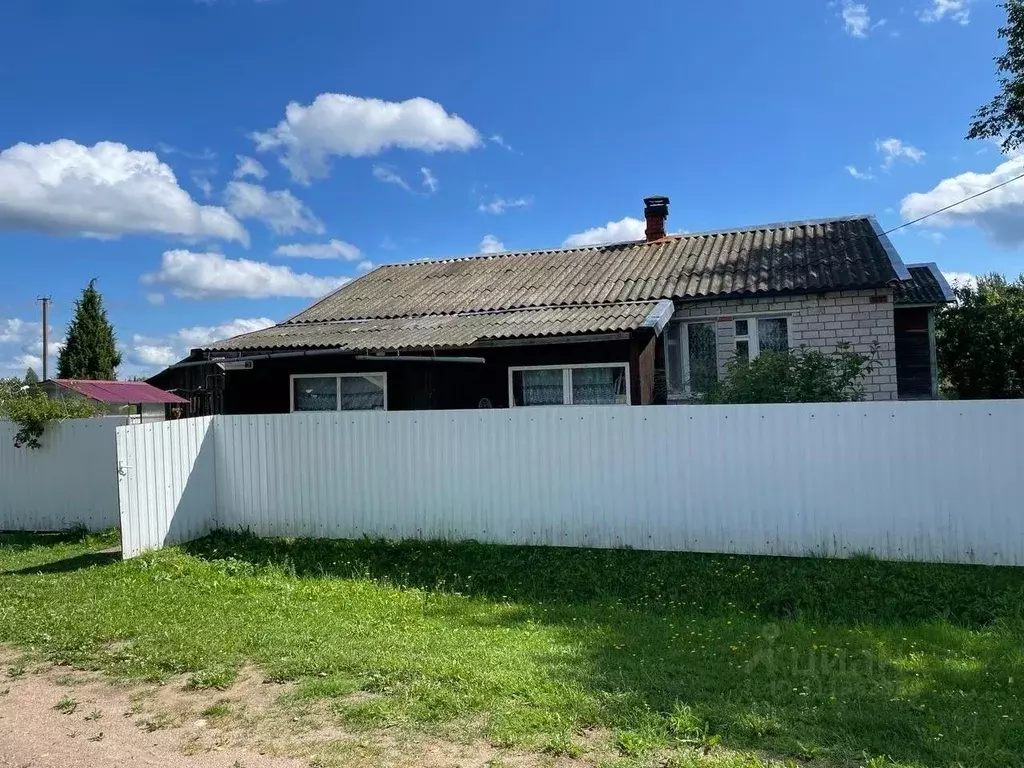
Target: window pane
743	351
674	357
742	327
703	356
362	393
772	334
598	386
316	393
538	387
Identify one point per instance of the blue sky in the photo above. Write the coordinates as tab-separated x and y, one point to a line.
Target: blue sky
372	132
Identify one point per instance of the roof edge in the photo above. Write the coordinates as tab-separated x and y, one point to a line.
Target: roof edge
944	286
894	258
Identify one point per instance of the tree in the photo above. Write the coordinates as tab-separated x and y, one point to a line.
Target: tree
31	377
1003	117
795	376
980	340
90	349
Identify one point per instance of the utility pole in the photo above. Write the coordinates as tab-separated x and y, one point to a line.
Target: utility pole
45	301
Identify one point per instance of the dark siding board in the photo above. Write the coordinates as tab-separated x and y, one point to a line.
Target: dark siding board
914	373
415	385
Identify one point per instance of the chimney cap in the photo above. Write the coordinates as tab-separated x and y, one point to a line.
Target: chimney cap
656	205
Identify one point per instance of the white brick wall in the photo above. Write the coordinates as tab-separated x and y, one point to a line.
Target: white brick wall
819	321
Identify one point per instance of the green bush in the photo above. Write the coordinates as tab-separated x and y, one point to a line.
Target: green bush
796	376
32	410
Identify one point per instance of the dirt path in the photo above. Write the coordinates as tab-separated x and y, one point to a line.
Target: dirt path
54	717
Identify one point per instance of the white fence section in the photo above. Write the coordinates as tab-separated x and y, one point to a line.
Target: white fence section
166	483
933	481
71	480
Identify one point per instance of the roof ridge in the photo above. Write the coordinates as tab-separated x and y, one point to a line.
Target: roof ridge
597	246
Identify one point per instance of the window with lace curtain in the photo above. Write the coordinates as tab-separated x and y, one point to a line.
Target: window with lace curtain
340	392
591	384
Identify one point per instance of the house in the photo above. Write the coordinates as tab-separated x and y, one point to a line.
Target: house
656	320
136	399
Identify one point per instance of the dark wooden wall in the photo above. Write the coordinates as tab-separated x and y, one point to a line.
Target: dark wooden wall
430	385
914	375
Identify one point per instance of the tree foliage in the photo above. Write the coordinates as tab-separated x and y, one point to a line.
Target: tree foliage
28	407
1003	117
796	376
90	348
980	340
31	377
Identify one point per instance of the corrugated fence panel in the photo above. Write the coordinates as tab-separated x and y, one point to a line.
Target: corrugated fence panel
166	483
924	481
71	480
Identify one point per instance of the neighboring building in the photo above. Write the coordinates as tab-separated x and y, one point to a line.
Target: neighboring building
136	399
632	323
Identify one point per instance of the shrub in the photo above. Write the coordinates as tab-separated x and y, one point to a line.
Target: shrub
33	410
796	376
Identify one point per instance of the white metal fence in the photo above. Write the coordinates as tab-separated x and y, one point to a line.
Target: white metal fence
924	481
71	480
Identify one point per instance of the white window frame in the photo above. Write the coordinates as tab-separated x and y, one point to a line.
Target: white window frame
337	387
753	337
566	381
684	351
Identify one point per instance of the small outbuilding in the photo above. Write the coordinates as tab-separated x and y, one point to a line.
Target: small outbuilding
140	401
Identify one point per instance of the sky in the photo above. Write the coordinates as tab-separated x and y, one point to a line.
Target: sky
217	165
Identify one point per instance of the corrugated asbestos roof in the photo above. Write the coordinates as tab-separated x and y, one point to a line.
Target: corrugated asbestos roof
926	286
816	256
456	302
432	331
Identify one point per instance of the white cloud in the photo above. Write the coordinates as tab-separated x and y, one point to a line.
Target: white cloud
147	354
389	175
156	299
26	339
161	351
999	213
202	181
249	166
957	10
613	232
894	149
211	275
365	266
338	124
931	234
280	210
200	335
862	175
335	249
429	180
501	204
496	138
960	279
14	330
491	244
106	190
856	20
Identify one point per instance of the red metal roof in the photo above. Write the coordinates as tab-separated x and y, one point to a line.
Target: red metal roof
119	392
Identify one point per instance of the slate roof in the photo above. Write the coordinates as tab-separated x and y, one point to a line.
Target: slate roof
587	289
926	286
431	331
118	392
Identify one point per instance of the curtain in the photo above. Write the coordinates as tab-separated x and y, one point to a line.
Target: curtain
541	386
702	342
362	393
598	386
316	393
772	334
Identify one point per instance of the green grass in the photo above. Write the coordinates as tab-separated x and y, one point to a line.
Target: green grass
838	663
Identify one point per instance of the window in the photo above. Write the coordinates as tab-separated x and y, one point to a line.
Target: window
755	335
340	392
691	356
596	384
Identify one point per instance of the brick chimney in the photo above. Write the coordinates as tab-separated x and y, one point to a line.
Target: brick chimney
655	211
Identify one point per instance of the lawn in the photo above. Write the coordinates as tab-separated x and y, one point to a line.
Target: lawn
671	655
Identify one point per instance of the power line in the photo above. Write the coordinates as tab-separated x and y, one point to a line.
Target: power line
954	205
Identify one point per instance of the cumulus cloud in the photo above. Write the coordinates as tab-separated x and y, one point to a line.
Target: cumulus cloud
894	149
200	335
156	356
500	204
193	275
365	266
161	351
856	20
341	125
961	279
249	166
334	249
106	190
958	11
613	232
491	244
280	210
21	346
999	214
